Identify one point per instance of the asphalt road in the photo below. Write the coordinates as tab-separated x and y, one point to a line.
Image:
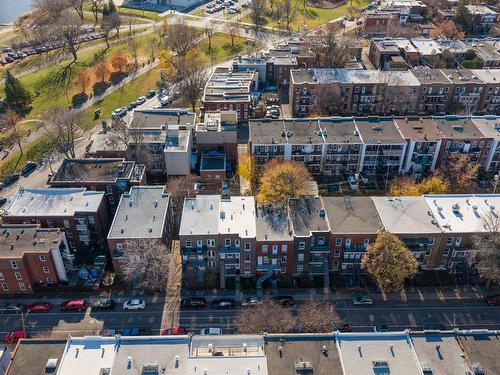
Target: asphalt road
397	316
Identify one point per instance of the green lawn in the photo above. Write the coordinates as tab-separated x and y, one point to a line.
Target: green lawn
314	16
221	46
132	12
24	127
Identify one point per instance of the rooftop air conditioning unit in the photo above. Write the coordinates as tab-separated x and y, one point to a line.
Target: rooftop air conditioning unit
303	367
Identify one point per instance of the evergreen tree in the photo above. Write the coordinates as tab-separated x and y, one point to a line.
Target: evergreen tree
17	97
105	10
112	7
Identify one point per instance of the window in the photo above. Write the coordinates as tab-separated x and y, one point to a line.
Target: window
109	189
189	243
92	220
211	254
366	242
348	242
227	242
431	241
22	287
449	241
247	257
259	260
300	268
18	276
321	240
248	247
338	242
300	257
247	268
211	243
302	245
275	249
66	223
46	270
237	243
446	252
119	247
1	276
13	264
49	280
42	258
265	248
50	224
458	241
199	243
5	286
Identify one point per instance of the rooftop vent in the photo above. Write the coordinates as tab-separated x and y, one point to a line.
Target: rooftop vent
51	365
322	212
303	367
380	364
456	208
458	128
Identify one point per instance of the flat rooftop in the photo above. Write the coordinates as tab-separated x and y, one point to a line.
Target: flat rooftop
32	355
160	118
307	216
489	126
405	215
200	215
423	129
458	127
339	130
17	239
237	216
302	348
482	349
266	132
213	162
489	76
462	76
53	202
177	141
427	47
428	76
96	170
379	130
272	223
394	45
352	215
141	213
301	131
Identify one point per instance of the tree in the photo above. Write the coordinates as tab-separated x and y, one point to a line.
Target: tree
119	61
133	48
101	71
82	80
317	317
328	49
8	125
179	189
62	126
287	11
268	316
96	7
18	98
77	5
328	101
447	30
486	246
460	172
209	32
389	262
194	75
407	186
282	180
146	263
257	12
181	39
246	169
233	31
463	18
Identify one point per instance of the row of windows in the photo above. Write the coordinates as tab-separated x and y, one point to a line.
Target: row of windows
284	248
211	243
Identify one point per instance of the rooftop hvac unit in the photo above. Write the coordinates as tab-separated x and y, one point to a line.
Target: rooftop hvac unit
380	364
303	367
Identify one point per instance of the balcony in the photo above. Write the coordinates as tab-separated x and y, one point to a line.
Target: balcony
320	249
194	261
267	267
231	271
229	250
229	261
193	251
357	248
81	227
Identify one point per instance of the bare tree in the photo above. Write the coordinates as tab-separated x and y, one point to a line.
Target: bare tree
77	5
486	254
133	48
181	39
317	316
397	97
257	12
329	50
287	10
209	32
459	171
194	76
96	7
8	125
132	138
268	316
146	264
328	101
233	31
180	188
62	126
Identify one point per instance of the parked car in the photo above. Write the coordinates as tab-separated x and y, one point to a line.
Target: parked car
134	331
251	302
353	184
134	304
39	307
28	168
381	328
493	300
14	336
10	179
103	304
150	94
284	300
343	327
140	100
211	331
11	309
174	331
362	300
194	303
73	305
165	100
120	112
3	200
49	177
223	303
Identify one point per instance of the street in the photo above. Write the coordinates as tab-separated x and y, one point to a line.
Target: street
397	315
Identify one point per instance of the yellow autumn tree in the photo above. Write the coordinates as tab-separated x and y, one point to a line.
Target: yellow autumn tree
282	180
246	169
407	186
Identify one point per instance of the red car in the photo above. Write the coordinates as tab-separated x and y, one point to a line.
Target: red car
174	331
493	300
73	305
14	336
39	307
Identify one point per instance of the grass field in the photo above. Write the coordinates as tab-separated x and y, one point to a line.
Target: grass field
37	150
24	127
220	46
133	12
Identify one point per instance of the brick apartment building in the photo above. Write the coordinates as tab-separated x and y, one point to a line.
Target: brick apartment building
144	213
82	214
32	257
113	176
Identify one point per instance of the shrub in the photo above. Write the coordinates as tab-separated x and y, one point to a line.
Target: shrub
78	99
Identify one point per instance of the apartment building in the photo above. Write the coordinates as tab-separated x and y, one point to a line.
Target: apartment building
218	235
274	245
218	132
178	150
111	175
311	232
423	143
267	140
489	126
379	23
468	90
490	99
383	146
82	214
273	69
460	134
144	213
483	17
393	53
229	89
436	91
32	257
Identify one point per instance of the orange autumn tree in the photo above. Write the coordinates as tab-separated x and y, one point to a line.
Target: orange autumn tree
101	71
447	30
119	61
82	80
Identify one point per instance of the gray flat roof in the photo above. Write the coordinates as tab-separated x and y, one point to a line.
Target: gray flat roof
98	170
53	202
298	348
490	76
405	215
300	131
156	118
352	215
483	349
462	76
354	76
379	130
305	215
458	127
489	126
32	355
430	76
200	215
339	130
141	213
266	131
272	224
419	129
17	239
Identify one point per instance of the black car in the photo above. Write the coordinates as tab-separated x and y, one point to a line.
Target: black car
103	304
284	300
28	168
150	94
194	303
3	200
223	303
11	309
10	179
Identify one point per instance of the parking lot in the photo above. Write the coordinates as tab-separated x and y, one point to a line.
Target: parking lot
224	8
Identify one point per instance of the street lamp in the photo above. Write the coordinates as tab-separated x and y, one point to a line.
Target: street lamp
495	178
23	321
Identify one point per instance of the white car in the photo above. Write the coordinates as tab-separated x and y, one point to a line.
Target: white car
120	112
140	100
212	331
362	300
353	184
134	304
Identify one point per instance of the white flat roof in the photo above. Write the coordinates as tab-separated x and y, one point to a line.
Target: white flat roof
237	216
87	355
